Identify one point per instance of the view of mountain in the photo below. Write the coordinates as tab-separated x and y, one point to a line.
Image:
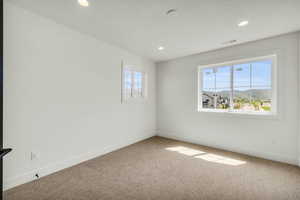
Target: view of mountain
261	94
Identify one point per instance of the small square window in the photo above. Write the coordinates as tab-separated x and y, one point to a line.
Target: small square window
133	84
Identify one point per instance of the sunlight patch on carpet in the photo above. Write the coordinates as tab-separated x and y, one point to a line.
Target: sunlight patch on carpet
185	150
206	156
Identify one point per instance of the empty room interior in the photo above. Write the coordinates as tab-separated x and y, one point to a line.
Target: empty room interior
150	100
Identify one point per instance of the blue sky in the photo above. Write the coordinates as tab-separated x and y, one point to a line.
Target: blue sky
259	78
137	79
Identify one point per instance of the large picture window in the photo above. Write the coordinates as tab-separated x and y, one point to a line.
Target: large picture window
246	86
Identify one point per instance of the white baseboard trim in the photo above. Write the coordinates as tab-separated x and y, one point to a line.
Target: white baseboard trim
266	155
50	169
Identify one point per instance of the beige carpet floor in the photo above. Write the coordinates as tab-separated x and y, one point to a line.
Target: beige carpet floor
163	169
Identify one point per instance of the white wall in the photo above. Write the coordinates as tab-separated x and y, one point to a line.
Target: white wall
178	118
299	96
62	97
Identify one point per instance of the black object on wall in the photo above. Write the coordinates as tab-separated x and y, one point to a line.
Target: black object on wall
3	152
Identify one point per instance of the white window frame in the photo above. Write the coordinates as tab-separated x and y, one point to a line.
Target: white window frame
133	97
274	79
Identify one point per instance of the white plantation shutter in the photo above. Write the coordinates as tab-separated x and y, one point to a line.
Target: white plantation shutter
126	84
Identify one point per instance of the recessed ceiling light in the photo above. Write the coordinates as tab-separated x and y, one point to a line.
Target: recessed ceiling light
83	3
243	23
161	48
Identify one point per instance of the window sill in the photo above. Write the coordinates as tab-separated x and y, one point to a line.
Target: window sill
134	100
249	115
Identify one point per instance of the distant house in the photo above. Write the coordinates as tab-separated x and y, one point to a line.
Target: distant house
208	100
